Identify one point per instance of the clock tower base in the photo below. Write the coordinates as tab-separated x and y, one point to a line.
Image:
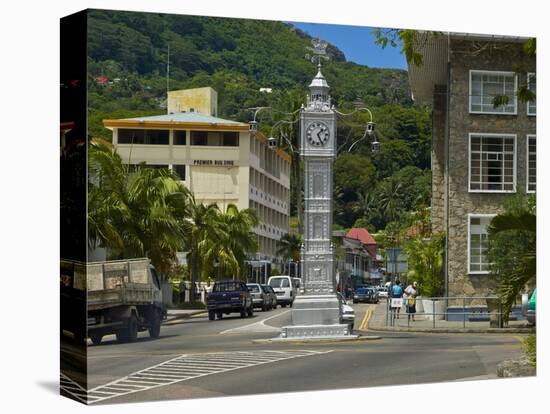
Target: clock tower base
315	316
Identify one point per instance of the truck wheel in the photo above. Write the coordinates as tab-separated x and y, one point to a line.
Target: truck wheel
132	328
250	311
96	338
219	315
211	315
154	325
283	305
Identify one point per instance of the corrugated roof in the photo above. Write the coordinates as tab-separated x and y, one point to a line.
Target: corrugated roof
185	117
362	235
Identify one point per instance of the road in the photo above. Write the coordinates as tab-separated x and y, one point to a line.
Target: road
200	358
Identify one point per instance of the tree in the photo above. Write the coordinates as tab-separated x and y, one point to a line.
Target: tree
289	247
512	249
202	229
426	261
134	214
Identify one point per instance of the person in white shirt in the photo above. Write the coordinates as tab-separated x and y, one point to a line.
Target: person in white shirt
412	292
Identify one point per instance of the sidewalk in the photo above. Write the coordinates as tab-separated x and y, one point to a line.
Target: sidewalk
175	314
421	323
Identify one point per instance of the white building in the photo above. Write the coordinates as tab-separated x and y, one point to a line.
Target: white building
217	159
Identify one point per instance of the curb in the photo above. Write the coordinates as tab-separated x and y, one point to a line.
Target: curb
451	330
188	315
357	338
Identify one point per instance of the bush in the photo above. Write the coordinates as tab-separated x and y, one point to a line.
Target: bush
530	344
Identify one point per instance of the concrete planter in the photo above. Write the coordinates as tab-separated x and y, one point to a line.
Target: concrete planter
419	305
428	309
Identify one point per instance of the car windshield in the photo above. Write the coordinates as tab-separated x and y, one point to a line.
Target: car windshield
279	282
362	290
253	288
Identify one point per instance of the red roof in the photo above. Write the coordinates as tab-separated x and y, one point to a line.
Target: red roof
361	234
365	238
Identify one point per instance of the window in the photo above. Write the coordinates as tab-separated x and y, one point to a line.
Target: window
179	169
180	137
492	163
215	139
477	243
484	86
531	163
230	139
143	136
532	86
199	138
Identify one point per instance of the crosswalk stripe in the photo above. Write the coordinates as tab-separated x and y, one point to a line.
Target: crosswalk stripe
187	367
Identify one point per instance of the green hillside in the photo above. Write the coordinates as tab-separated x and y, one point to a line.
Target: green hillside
127	56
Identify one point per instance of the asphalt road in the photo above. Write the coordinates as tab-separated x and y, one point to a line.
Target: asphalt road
218	358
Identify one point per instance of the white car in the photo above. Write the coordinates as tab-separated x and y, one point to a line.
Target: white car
348	313
284	289
383	293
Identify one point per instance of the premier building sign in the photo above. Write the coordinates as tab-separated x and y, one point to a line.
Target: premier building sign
214	162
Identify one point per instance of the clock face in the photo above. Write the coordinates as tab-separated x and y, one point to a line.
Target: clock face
317	134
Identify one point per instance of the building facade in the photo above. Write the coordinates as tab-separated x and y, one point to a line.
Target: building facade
481	153
217	159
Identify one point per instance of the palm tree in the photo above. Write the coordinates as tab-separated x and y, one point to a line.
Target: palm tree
241	240
202	228
426	260
134	215
289	247
519	269
390	199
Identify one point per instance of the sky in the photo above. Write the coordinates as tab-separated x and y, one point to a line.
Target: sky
357	43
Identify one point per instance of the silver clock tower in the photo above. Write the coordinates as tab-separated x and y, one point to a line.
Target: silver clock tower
316	312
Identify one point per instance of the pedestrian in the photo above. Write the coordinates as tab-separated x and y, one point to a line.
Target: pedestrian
411	292
396	293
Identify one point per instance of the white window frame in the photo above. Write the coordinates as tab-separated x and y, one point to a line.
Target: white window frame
470	216
491	72
529	75
529	137
473	134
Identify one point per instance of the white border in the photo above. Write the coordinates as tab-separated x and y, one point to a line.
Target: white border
470	216
529	75
528	137
491	134
492	72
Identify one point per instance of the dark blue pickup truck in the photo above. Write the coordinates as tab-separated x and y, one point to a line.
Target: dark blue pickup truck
229	296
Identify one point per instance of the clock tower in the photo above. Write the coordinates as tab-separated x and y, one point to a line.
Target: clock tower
316	312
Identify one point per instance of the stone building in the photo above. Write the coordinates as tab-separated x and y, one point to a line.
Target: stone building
480	153
217	159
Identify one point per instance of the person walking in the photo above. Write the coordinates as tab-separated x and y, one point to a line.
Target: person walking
412	292
182	291
396	293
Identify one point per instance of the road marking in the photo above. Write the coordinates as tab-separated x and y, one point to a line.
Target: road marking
259	326
366	318
72	388
187	367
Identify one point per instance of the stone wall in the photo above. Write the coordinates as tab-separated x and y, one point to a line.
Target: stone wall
466	55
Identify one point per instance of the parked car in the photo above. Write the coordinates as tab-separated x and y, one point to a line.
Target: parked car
284	289
383	292
229	296
529	307
271	296
259	297
365	295
347	313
